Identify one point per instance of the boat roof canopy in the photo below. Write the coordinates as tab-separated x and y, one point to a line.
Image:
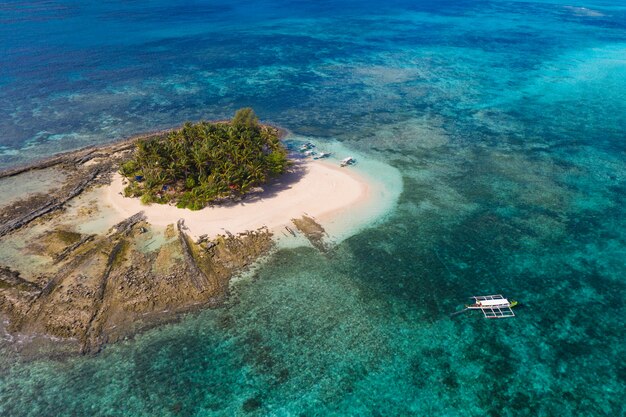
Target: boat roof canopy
497	302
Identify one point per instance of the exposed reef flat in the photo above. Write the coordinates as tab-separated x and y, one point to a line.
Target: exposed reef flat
110	285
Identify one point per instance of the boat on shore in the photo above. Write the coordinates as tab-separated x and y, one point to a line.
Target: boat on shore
307	146
322	155
347	161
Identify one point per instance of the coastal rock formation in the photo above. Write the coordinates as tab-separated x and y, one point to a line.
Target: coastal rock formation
313	231
110	286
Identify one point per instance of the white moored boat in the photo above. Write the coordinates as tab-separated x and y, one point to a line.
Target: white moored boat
322	155
347	161
493	306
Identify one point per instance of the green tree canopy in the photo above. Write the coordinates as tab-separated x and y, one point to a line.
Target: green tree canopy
204	162
245	119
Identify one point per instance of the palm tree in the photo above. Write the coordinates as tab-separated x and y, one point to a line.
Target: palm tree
218	158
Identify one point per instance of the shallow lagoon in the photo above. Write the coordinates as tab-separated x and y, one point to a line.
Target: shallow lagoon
506	121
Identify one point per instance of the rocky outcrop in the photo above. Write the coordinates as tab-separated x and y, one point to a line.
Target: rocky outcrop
313	231
197	276
109	288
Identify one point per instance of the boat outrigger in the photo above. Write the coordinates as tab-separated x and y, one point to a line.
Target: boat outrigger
493	306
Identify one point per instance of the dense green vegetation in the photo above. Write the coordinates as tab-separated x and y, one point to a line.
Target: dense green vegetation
204	162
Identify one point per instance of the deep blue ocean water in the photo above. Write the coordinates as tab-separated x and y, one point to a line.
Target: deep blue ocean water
507	120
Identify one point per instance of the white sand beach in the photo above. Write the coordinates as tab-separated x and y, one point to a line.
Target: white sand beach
318	189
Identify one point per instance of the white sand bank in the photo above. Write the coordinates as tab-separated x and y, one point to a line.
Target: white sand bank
318	189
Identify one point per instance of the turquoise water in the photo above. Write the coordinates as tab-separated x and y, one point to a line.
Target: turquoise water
508	124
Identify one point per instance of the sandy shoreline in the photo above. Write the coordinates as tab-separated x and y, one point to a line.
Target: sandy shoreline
316	188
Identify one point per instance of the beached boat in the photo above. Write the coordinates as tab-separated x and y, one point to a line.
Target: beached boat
493	306
307	146
322	155
347	161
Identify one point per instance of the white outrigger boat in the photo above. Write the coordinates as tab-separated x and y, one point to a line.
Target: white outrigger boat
322	155
347	161
493	306
307	146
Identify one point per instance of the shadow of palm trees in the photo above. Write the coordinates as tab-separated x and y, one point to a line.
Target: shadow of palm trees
296	171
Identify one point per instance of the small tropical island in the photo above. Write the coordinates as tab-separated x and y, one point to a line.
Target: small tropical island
205	162
100	243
